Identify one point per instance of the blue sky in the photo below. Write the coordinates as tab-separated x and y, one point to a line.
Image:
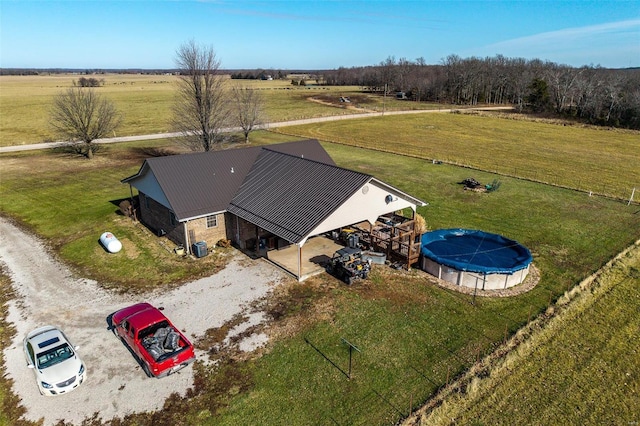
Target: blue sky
308	34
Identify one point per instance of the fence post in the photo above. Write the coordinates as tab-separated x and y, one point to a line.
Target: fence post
410	404
448	370
631	198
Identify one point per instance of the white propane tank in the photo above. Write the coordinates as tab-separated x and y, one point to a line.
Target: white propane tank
110	242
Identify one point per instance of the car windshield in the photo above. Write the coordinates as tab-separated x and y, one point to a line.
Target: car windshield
54	356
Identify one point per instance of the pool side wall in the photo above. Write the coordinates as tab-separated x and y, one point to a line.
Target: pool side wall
473	279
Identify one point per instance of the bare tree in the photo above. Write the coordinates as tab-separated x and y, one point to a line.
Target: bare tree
200	112
80	115
388	70
562	80
248	109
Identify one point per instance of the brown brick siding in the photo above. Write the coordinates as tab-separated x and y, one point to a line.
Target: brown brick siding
158	218
198	228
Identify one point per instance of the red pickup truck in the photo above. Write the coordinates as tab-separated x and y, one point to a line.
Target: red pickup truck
160	347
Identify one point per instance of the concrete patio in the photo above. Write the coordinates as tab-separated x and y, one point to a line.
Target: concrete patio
314	253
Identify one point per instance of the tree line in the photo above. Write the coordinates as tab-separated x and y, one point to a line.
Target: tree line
259	74
593	94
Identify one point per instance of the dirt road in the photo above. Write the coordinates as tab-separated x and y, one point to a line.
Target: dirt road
48	145
48	293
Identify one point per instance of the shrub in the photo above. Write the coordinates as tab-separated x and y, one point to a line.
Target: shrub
88	82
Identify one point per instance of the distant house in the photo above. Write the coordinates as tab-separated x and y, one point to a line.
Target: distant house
283	193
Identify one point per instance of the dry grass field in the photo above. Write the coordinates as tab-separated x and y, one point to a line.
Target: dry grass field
25	102
146	102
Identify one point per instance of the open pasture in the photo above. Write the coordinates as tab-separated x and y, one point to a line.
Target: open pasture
414	336
25	102
146	102
598	160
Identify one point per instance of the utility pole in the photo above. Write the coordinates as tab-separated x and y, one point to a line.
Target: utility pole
384	98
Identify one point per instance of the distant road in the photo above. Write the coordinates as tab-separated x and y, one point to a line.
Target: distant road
49	145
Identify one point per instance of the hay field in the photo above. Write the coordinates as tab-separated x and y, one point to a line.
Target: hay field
146	102
414	335
25	102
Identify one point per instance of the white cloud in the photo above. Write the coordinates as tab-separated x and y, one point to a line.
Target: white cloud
584	45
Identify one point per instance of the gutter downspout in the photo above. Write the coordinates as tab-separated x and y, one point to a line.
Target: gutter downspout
186	236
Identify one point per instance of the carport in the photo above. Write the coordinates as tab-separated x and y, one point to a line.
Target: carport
291	201
309	258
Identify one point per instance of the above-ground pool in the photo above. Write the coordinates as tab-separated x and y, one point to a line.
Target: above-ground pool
475	259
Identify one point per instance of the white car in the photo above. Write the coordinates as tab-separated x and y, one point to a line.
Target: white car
54	360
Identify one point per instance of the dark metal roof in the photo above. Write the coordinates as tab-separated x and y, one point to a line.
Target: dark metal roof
289	196
310	149
203	183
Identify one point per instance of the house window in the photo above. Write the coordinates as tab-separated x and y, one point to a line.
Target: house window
146	201
172	218
212	221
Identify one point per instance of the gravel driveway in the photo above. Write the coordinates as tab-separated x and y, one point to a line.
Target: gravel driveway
48	293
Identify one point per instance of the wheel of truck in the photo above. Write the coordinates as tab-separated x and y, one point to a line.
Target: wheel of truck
348	279
365	275
329	269
146	370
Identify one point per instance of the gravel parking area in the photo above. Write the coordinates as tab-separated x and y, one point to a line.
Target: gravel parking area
48	293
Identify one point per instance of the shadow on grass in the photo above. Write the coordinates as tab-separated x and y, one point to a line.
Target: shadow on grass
326	357
126	206
149	151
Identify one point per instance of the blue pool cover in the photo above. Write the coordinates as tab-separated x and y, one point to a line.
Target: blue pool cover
475	251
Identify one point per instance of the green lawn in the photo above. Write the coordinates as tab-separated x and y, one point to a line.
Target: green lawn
413	335
71	202
601	161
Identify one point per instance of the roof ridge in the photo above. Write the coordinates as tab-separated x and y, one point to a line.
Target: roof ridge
314	161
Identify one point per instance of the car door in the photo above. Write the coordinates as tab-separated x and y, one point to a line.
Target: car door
126	332
132	338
